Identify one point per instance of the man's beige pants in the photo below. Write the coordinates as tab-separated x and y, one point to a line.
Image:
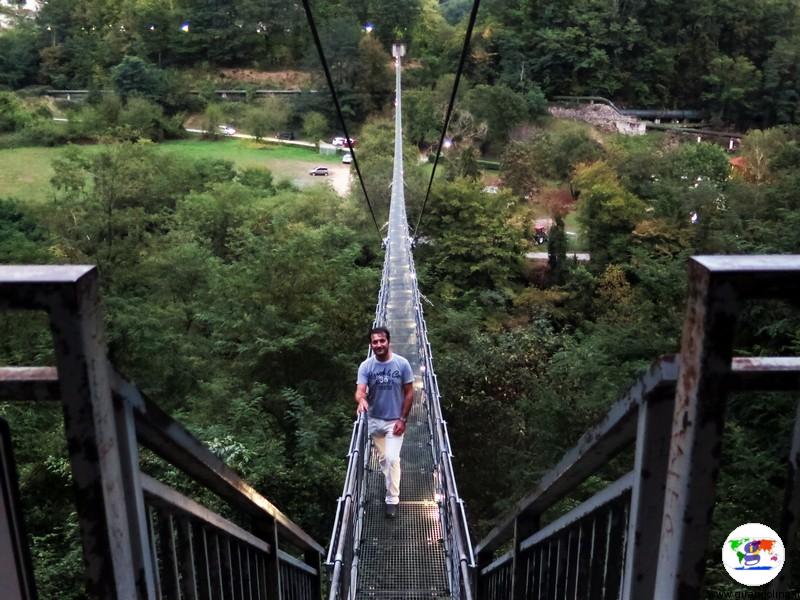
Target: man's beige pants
388	446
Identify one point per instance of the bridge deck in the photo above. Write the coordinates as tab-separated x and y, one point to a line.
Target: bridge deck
403	558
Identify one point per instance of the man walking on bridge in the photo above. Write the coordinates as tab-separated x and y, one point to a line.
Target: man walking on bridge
385	391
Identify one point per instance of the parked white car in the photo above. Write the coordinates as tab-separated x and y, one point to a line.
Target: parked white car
347	158
226	129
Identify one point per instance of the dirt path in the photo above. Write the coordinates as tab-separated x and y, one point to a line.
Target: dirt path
340	179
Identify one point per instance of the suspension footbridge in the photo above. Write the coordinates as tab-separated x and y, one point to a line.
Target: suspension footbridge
642	536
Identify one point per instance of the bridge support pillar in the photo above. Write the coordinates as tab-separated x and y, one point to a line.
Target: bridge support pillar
269	533
313	559
524	526
718	285
102	446
654	428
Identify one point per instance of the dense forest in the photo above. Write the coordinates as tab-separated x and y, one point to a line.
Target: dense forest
736	61
239	301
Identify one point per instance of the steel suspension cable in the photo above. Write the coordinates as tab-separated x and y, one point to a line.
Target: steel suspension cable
313	27
464	51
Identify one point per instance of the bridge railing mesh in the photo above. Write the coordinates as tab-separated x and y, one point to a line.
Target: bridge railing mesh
458	543
342	558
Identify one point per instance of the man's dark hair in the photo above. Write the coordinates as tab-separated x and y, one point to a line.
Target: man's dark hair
383	330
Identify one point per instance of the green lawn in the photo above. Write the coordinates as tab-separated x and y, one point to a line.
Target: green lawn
25	172
246	153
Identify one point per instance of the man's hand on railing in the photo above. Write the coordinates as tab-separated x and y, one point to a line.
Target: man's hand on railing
362	406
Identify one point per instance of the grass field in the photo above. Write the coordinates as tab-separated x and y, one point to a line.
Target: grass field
285	162
25	172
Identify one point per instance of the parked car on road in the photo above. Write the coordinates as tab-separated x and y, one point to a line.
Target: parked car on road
347	158
226	129
318	171
285	135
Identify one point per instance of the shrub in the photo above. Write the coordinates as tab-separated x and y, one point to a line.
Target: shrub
43	132
13	114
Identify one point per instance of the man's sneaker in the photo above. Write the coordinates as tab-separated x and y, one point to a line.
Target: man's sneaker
391	511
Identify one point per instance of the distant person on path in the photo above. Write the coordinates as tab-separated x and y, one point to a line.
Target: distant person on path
385	391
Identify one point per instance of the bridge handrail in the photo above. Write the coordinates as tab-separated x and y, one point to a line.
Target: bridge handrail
460	551
165	436
349	510
593	449
675	414
106	419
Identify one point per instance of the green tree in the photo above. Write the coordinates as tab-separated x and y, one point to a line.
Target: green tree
607	213
498	105
315	125
134	76
536	101
374	80
421	121
475	246
759	149
733	84
267	117
698	162
570	147
19	60
144	118
782	81
463	162
259	179
557	252
520	170
212	119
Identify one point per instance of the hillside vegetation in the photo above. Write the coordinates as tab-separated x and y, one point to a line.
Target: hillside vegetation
240	303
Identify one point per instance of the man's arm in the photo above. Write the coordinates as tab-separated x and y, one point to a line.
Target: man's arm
408	402
361	398
408	398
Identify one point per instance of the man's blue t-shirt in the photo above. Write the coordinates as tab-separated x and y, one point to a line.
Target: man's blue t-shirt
384	382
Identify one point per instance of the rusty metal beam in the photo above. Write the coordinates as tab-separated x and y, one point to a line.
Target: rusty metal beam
113	551
647	497
16	570
28	383
37	286
718	284
31	384
770	373
753	276
791	509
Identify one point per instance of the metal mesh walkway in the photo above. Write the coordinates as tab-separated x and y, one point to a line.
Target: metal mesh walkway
403	558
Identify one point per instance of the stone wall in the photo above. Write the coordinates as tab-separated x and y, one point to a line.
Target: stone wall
601	116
